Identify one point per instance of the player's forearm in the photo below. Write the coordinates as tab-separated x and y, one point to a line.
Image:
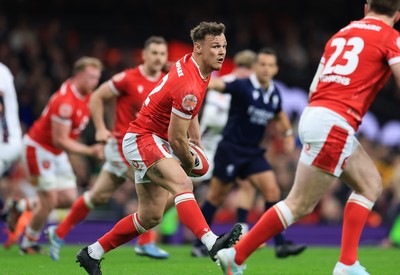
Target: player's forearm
216	84
72	146
96	106
180	146
194	130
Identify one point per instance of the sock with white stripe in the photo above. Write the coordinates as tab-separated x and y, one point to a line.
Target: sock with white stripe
355	216
190	215
125	230
272	222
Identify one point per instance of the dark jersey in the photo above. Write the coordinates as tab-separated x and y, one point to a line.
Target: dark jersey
252	107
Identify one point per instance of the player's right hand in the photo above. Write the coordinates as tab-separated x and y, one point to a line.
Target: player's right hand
102	135
98	151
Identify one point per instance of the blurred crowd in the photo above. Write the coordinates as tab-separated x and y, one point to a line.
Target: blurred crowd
40	44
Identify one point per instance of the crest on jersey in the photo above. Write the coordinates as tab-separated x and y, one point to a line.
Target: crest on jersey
118	77
46	164
140	89
136	164
65	110
189	102
398	42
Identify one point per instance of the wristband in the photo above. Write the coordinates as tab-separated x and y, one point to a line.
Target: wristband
288	132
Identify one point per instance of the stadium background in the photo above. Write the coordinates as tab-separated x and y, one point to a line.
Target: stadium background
39	40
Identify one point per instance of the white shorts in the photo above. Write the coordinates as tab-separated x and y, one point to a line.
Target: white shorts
142	151
328	139
54	172
10	152
115	162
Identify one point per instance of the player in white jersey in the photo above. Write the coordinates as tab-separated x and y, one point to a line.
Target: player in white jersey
216	108
10	130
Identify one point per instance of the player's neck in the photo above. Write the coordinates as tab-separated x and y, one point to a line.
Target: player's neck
204	70
150	73
386	19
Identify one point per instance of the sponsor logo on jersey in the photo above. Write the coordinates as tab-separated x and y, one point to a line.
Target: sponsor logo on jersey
189	102
65	110
179	69
46	164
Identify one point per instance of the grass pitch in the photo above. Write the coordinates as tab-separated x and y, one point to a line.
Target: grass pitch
315	260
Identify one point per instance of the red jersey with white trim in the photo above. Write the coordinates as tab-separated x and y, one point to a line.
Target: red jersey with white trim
132	87
357	63
181	92
67	106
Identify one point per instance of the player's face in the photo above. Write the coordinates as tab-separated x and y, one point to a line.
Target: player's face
155	57
89	79
265	68
213	51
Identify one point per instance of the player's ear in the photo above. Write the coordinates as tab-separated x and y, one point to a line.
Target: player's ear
397	18
197	47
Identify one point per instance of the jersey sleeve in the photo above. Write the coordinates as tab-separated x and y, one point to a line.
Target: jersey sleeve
61	110
393	49
277	101
232	87
118	82
185	103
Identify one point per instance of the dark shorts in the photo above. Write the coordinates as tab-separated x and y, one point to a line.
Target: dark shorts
232	160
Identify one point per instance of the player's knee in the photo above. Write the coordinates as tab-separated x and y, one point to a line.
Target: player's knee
374	186
299	209
100	198
272	194
152	221
185	185
216	198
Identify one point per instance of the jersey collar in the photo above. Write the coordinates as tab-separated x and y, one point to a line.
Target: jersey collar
198	68
76	92
143	73
256	84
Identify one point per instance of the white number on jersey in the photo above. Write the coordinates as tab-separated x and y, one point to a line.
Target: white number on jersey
156	89
350	55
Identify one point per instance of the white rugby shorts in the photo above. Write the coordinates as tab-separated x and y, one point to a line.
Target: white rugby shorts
115	162
53	172
142	151
328	139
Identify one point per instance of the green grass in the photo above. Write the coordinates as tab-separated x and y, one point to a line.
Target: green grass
314	260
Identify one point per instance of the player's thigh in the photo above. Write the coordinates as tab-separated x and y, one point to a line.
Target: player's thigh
218	191
245	194
267	184
309	186
361	174
169	174
104	186
65	197
152	200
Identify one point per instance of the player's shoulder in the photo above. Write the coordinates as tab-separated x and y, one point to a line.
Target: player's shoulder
64	94
125	74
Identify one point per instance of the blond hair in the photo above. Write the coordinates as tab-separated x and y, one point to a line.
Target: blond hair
245	58
85	61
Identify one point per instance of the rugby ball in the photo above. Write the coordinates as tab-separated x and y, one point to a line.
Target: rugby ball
201	164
